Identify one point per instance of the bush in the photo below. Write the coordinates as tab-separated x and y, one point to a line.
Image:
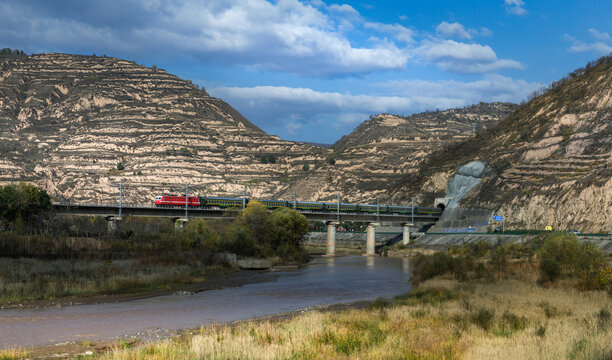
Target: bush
483	318
239	241
429	266
562	255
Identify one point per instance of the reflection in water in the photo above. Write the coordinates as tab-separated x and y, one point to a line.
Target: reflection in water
370	261
406	265
323	281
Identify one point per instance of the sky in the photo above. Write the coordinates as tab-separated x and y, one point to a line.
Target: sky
314	70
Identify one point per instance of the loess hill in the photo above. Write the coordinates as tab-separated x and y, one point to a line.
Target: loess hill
387	148
77	124
549	162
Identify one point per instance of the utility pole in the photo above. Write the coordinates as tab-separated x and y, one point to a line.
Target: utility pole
120	196
338	213
186	199
412	208
378	209
294	199
244	198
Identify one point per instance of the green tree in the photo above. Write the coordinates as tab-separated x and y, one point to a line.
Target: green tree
289	227
256	220
22	201
201	235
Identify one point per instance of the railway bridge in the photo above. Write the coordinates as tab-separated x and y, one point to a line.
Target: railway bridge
114	213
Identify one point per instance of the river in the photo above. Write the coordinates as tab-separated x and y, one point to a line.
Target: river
322	281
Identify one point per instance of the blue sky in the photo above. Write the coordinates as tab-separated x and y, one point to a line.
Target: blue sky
314	70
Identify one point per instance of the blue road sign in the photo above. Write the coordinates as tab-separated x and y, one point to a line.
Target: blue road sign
498	217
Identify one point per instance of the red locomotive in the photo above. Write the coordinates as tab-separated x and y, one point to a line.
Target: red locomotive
174	200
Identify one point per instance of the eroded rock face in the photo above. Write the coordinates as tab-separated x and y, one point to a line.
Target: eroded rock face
67	122
550	160
466	178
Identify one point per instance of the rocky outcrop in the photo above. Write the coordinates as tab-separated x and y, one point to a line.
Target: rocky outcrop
467	177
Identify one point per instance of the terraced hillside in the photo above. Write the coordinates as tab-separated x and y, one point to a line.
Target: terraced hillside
386	148
77	124
550	161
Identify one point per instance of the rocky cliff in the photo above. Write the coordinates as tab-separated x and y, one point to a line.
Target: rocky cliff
77	124
549	162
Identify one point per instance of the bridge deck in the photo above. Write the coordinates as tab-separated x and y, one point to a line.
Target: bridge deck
152	211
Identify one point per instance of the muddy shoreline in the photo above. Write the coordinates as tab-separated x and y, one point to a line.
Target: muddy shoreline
72	349
217	280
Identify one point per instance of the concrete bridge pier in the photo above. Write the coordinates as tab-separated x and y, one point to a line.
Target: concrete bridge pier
371	239
111	222
406	234
179	224
331	238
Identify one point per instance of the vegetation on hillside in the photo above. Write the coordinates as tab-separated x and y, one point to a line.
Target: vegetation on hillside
9	51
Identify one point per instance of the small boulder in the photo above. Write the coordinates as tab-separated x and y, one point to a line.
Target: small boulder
253	263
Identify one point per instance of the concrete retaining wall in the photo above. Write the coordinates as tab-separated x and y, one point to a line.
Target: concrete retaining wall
444	241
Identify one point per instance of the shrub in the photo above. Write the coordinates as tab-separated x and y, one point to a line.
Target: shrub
120	166
563	255
603	319
429	266
483	318
239	241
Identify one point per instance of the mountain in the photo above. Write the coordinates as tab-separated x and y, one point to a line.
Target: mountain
76	125
386	148
548	163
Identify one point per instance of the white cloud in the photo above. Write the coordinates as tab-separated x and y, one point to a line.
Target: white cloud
485	32
601	47
288	35
464	58
452	30
451	93
344	9
599	35
398	31
293	128
597	47
302	109
515	7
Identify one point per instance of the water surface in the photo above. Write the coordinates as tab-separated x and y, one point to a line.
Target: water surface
323	281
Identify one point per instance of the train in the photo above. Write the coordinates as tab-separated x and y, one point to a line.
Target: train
200	202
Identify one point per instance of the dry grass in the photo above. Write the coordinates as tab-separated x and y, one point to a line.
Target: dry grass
442	319
10	354
33	279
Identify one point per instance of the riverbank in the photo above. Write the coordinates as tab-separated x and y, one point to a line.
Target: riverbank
443	318
28	283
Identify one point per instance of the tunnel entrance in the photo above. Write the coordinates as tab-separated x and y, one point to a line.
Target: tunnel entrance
441	207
